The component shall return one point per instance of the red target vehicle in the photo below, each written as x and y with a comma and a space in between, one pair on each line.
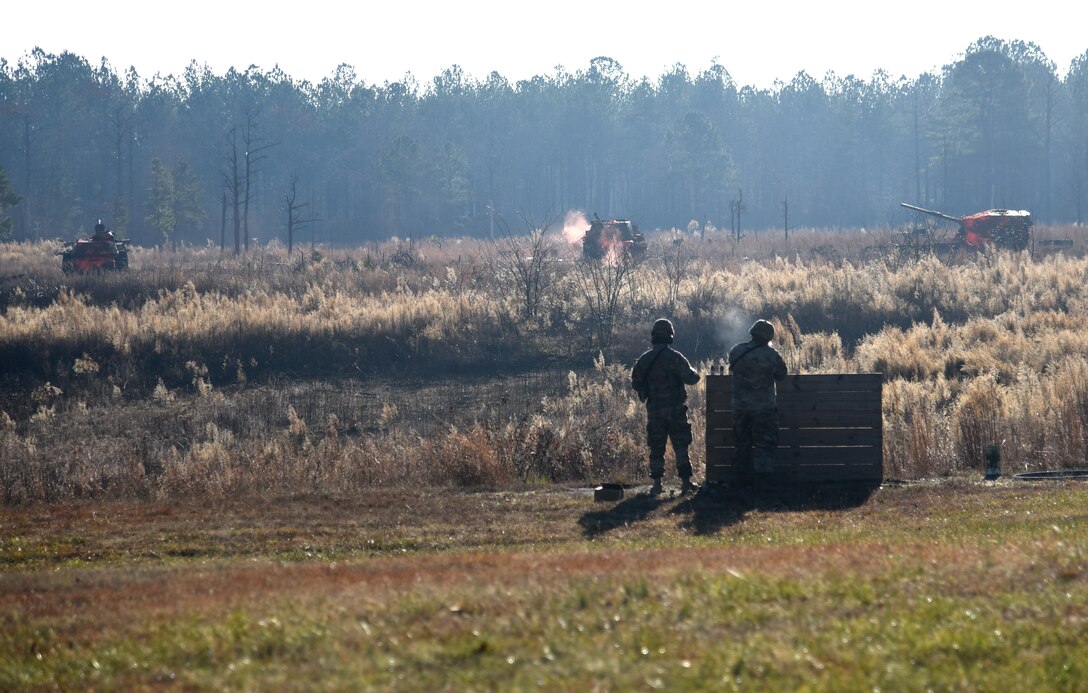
1005, 228
102, 251
607, 236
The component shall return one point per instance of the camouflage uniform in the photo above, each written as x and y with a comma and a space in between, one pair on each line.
659, 376
755, 366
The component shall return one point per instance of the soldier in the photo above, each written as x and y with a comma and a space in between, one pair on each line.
100, 232
659, 377
755, 366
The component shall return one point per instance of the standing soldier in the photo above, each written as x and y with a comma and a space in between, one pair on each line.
659, 377
755, 366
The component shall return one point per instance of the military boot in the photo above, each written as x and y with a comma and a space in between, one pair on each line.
656, 489
687, 487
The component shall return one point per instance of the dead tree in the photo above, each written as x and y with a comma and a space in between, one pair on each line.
223, 225
294, 208
601, 281
254, 155
676, 268
527, 261
736, 206
232, 185
786, 216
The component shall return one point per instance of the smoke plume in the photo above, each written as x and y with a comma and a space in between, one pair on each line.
574, 226
733, 327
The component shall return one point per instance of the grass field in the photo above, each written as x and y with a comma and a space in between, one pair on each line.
957, 585
367, 468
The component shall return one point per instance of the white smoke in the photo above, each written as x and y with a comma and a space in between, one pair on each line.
575, 225
733, 327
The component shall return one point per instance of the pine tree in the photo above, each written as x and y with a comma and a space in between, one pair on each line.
8, 199
188, 213
161, 197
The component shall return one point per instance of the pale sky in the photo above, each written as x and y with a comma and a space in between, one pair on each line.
757, 42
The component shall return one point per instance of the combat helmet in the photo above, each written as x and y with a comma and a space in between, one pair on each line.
662, 332
762, 331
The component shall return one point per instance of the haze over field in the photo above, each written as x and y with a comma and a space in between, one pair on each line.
757, 43
411, 120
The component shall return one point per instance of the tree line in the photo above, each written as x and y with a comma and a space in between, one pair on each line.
254, 155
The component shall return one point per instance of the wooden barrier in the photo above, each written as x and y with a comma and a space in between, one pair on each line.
830, 429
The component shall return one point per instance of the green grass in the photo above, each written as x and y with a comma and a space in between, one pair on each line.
952, 586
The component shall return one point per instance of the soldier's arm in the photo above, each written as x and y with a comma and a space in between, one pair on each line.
688, 375
637, 375
779, 367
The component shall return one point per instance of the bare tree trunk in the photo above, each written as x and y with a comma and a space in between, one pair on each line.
917, 155
233, 187
786, 217
1046, 157
253, 156
223, 225
293, 209
28, 139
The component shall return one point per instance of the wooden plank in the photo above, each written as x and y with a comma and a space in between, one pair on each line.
805, 474
829, 437
814, 457
718, 399
850, 418
859, 418
828, 401
824, 437
845, 473
831, 429
869, 381
827, 405
724, 421
832, 382
807, 400
835, 382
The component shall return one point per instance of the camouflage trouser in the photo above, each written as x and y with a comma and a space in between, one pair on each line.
755, 434
669, 423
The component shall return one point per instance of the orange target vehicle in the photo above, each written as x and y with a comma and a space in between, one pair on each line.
102, 251
606, 236
1005, 228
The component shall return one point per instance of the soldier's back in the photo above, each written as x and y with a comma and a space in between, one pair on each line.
755, 368
665, 375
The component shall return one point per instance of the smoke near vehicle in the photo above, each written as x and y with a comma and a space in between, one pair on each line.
610, 236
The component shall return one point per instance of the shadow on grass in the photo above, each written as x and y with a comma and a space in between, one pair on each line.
633, 509
708, 511
711, 509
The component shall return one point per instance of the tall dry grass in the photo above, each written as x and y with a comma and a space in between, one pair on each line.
331, 438
196, 361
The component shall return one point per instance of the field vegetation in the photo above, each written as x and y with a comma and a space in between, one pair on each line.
958, 585
371, 469
475, 363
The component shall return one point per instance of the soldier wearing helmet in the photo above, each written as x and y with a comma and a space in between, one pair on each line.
100, 232
660, 376
755, 366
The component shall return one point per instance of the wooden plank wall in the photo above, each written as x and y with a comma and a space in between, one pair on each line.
830, 429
